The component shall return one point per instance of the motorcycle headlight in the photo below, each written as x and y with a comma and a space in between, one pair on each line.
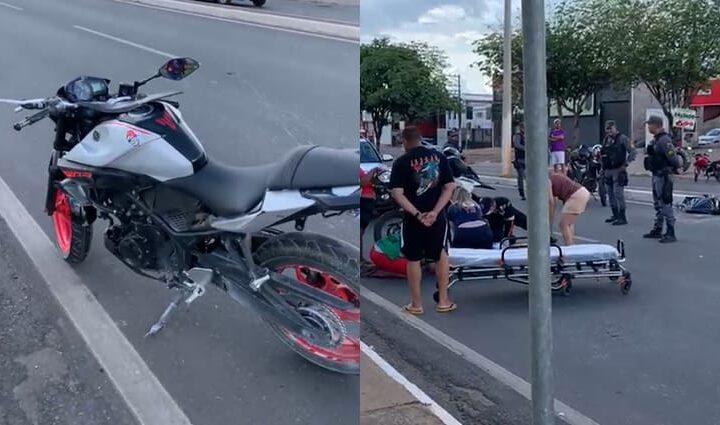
384, 177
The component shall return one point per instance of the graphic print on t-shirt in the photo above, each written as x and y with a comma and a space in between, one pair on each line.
426, 172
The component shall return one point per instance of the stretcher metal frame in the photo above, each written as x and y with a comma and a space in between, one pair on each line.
562, 274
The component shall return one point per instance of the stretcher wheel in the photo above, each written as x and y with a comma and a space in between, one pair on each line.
568, 286
625, 283
563, 284
436, 296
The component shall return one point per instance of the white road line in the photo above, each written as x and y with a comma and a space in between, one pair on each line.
240, 22
413, 389
140, 388
10, 6
522, 387
126, 42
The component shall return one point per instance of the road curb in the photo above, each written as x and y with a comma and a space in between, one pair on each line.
635, 195
309, 26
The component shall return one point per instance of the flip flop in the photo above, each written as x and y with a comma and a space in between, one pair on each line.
446, 309
415, 311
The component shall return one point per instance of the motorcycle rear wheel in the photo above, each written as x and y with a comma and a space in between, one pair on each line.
72, 237
332, 267
387, 224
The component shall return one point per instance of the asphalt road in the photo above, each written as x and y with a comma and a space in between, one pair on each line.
683, 184
649, 358
327, 10
258, 94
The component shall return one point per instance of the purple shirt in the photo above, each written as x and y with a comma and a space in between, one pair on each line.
557, 145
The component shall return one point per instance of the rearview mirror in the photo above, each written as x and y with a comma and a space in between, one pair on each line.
387, 157
178, 68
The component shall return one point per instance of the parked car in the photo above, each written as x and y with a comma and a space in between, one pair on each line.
370, 158
712, 137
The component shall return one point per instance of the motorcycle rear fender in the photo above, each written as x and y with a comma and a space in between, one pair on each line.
330, 200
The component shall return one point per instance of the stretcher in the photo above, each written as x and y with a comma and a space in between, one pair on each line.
567, 263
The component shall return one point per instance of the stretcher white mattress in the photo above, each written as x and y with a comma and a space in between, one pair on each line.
463, 257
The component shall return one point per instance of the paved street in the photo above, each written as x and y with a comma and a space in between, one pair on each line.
326, 10
648, 358
259, 93
684, 183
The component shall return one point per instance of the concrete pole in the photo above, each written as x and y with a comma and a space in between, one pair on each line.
460, 113
536, 115
507, 91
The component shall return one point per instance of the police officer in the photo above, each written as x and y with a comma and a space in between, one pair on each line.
617, 152
663, 162
518, 142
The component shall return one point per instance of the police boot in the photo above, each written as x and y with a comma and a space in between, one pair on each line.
655, 233
614, 216
669, 236
621, 219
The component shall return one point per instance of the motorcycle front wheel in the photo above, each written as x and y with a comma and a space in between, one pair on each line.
330, 266
72, 237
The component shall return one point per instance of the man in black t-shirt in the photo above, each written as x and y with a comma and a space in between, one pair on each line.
422, 184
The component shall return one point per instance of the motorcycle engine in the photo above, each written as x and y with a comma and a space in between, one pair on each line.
142, 247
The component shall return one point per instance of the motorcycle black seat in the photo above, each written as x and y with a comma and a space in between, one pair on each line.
231, 191
315, 167
227, 191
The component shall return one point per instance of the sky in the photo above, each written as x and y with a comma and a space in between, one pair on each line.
451, 25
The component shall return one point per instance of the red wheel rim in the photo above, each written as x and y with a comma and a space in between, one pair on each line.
349, 350
62, 222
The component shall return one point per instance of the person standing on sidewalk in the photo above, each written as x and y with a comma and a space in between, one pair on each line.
662, 161
556, 140
519, 162
617, 152
422, 184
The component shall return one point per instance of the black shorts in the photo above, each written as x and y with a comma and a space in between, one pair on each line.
419, 242
367, 209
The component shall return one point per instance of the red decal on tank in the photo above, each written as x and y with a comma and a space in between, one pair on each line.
167, 121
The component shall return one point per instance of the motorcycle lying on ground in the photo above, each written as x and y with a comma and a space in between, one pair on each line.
390, 220
177, 216
585, 168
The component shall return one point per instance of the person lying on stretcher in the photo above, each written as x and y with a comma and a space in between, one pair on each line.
478, 226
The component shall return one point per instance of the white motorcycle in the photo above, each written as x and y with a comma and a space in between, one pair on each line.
177, 216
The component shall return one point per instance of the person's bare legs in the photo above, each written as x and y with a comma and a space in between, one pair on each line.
414, 277
567, 227
442, 273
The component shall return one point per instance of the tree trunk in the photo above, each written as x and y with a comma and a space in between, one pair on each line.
576, 127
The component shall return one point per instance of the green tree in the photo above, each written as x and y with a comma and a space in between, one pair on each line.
402, 78
489, 50
576, 68
576, 65
670, 46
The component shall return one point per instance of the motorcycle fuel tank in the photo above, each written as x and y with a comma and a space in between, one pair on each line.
153, 141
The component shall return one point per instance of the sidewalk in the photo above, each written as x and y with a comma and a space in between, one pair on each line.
48, 374
383, 401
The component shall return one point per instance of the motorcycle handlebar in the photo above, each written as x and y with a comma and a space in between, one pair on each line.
32, 119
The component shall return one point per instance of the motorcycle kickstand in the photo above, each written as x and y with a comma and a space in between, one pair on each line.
194, 290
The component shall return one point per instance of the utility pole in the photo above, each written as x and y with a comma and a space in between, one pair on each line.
536, 115
460, 112
507, 91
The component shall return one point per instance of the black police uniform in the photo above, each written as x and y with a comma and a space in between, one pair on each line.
663, 161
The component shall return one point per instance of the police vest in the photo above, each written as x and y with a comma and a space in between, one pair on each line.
658, 161
614, 155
